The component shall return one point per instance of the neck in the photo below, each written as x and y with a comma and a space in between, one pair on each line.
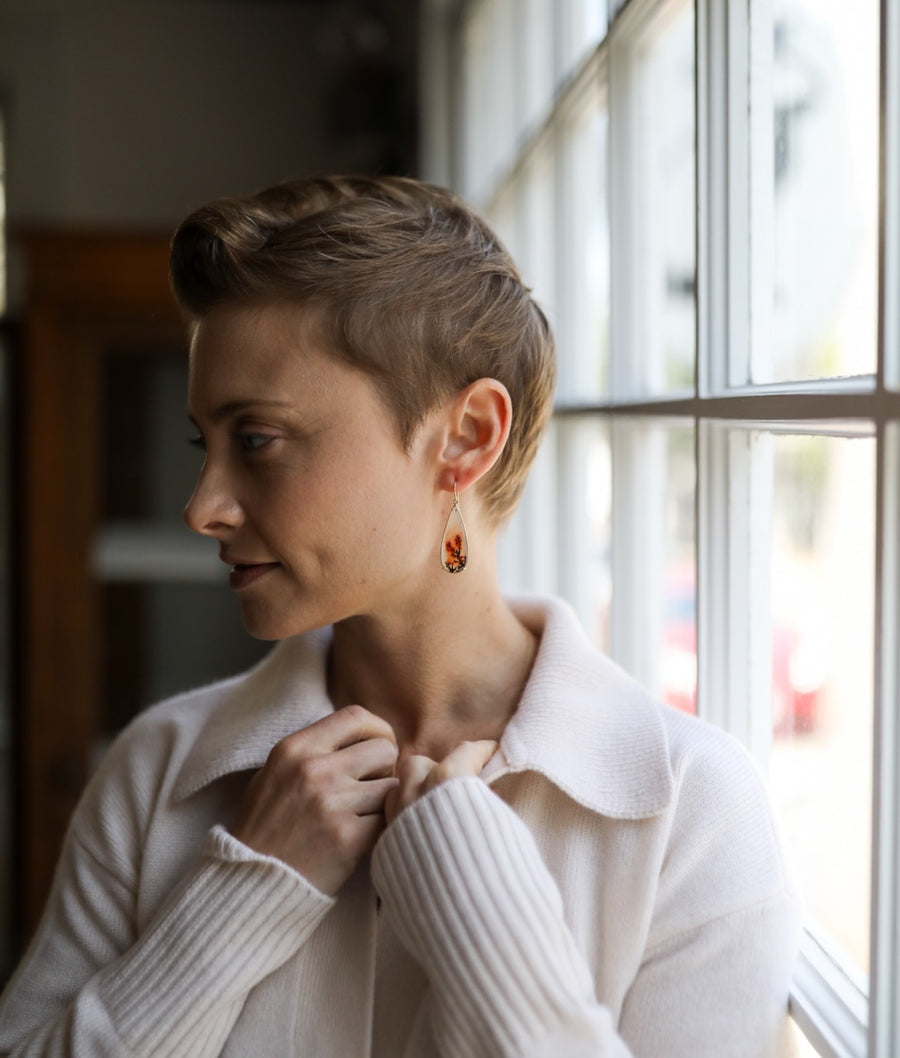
448, 673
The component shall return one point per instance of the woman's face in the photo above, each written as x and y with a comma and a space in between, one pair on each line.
314, 502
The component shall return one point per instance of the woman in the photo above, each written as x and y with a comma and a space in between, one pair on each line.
431, 821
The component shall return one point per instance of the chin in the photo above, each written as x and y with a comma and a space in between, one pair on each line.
270, 626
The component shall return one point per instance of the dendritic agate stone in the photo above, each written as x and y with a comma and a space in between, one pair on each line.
455, 549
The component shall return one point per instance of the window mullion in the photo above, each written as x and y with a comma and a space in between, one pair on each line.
714, 660
761, 165
740, 216
890, 182
723, 202
884, 1029
712, 198
885, 934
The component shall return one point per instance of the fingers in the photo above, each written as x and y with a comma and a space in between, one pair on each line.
371, 796
375, 758
317, 803
412, 774
337, 731
468, 758
354, 724
418, 774
415, 769
323, 796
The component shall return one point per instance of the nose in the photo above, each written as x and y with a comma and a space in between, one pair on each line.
212, 510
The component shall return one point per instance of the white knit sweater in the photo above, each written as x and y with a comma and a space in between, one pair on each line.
613, 885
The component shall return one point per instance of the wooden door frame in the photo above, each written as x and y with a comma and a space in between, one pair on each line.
88, 294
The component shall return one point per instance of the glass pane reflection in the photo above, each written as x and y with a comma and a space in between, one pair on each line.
583, 288
822, 592
825, 116
654, 627
665, 122
585, 470
678, 671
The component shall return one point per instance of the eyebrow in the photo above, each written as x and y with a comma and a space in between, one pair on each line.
234, 407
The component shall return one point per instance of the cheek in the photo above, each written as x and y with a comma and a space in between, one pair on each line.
275, 510
365, 506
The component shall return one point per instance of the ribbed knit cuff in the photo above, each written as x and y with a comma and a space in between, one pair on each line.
468, 894
240, 917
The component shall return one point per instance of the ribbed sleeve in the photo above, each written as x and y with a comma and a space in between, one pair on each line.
179, 989
469, 896
240, 917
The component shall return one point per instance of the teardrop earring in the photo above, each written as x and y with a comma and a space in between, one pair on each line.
454, 543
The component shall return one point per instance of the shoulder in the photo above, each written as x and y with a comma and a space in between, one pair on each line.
713, 772
604, 738
724, 848
684, 796
162, 732
179, 717
174, 749
144, 759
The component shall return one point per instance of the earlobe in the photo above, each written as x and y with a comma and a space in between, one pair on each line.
478, 426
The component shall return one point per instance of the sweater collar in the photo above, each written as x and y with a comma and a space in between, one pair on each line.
582, 723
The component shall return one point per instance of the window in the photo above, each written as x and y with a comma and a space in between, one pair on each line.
705, 197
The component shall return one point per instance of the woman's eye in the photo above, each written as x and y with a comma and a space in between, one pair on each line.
250, 442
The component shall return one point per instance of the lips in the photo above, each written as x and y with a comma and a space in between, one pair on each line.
243, 574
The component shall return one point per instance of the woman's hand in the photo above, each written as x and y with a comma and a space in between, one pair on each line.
419, 774
318, 803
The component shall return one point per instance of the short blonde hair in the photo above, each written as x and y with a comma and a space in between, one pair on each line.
408, 284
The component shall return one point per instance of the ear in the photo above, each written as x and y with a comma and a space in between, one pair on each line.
475, 425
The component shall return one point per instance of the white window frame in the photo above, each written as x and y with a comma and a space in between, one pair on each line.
734, 420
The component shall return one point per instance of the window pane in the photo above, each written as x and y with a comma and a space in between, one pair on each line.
535, 223
825, 114
581, 25
585, 499
534, 63
678, 674
583, 326
664, 125
654, 632
822, 591
503, 218
796, 1044
486, 96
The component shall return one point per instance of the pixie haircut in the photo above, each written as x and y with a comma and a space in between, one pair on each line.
404, 282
